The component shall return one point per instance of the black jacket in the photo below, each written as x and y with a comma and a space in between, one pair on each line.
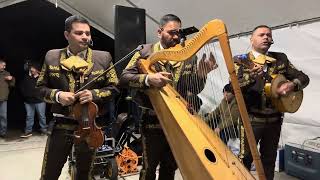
29, 91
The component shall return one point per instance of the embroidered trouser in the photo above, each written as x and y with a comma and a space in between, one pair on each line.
267, 134
58, 148
156, 151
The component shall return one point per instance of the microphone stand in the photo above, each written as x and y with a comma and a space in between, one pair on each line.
107, 70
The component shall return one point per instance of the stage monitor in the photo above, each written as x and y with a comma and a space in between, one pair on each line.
130, 31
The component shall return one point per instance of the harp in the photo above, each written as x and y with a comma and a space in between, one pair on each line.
199, 152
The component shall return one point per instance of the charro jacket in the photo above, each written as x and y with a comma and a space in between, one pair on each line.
53, 78
253, 88
184, 73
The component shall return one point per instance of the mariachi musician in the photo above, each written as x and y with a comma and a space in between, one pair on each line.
63, 72
270, 85
156, 150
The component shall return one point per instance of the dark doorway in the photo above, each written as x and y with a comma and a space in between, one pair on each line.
28, 30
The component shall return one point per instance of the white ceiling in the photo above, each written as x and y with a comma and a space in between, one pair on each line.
239, 15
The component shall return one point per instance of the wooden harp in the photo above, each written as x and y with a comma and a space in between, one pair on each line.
199, 152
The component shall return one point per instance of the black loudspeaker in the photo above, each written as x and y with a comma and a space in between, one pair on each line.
130, 31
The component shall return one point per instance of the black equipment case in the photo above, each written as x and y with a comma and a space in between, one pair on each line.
302, 162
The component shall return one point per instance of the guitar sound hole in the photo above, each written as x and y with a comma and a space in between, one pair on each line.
210, 156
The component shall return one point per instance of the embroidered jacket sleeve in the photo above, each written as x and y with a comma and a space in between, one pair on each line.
130, 76
242, 70
300, 79
190, 84
189, 79
110, 81
47, 94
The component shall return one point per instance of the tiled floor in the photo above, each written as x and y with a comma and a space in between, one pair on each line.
22, 159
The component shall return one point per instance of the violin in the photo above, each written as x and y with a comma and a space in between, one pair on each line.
86, 113
87, 131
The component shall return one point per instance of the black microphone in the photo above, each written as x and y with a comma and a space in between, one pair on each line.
185, 32
271, 42
90, 42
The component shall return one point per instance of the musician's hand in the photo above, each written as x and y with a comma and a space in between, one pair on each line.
159, 79
257, 70
84, 96
285, 88
8, 78
206, 65
66, 98
217, 130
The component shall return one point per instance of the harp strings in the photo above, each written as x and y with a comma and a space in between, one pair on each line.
216, 115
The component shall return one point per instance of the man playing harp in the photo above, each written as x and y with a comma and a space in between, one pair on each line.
155, 146
255, 69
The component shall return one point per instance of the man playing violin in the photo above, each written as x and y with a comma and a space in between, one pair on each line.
255, 70
64, 71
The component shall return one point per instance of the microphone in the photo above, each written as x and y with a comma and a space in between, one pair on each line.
140, 47
271, 42
90, 42
187, 31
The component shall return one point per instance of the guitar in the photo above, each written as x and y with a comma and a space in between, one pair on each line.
290, 102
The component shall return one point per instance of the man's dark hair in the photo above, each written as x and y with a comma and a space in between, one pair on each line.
227, 88
167, 18
2, 60
35, 65
73, 19
261, 26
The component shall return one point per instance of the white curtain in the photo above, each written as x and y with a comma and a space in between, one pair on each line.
5, 3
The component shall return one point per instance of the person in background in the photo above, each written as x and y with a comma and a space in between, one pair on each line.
6, 82
33, 102
224, 119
